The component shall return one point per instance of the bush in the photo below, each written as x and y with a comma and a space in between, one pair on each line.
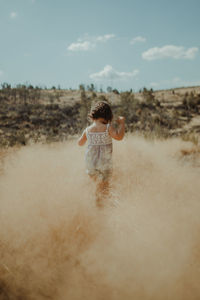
115, 91
129, 107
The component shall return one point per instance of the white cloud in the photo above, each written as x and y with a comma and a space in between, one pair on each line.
180, 82
137, 39
109, 73
174, 82
154, 84
170, 51
104, 38
89, 43
81, 46
13, 14
1, 73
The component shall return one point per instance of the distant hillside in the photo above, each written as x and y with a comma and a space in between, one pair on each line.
30, 113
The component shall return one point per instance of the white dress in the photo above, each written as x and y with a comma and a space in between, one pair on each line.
98, 154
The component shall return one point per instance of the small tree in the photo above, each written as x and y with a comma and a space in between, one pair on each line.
83, 108
148, 95
91, 87
115, 91
81, 87
109, 89
129, 106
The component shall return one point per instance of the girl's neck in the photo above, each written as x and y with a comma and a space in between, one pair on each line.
99, 121
98, 126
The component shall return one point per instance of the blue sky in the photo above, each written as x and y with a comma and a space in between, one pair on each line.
120, 43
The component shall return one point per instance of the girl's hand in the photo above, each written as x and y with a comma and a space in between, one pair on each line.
120, 120
117, 132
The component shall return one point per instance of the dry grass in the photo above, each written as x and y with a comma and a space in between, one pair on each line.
192, 151
56, 244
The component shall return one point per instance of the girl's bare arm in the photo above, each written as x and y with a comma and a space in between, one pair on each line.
118, 133
82, 140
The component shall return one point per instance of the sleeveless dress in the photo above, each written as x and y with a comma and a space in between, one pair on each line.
98, 156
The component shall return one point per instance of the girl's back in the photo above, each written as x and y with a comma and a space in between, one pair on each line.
98, 135
99, 150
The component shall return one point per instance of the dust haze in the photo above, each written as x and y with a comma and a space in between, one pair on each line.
56, 244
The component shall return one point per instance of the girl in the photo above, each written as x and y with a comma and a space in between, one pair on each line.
98, 155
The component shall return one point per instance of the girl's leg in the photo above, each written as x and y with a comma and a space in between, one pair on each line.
102, 192
102, 187
98, 190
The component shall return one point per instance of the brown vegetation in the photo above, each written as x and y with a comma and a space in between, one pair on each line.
32, 114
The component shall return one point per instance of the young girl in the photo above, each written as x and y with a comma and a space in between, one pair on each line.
98, 155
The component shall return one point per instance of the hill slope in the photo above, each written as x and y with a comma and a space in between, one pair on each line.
34, 114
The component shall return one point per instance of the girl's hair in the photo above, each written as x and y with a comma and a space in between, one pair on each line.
101, 109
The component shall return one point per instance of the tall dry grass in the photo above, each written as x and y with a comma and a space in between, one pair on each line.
56, 244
